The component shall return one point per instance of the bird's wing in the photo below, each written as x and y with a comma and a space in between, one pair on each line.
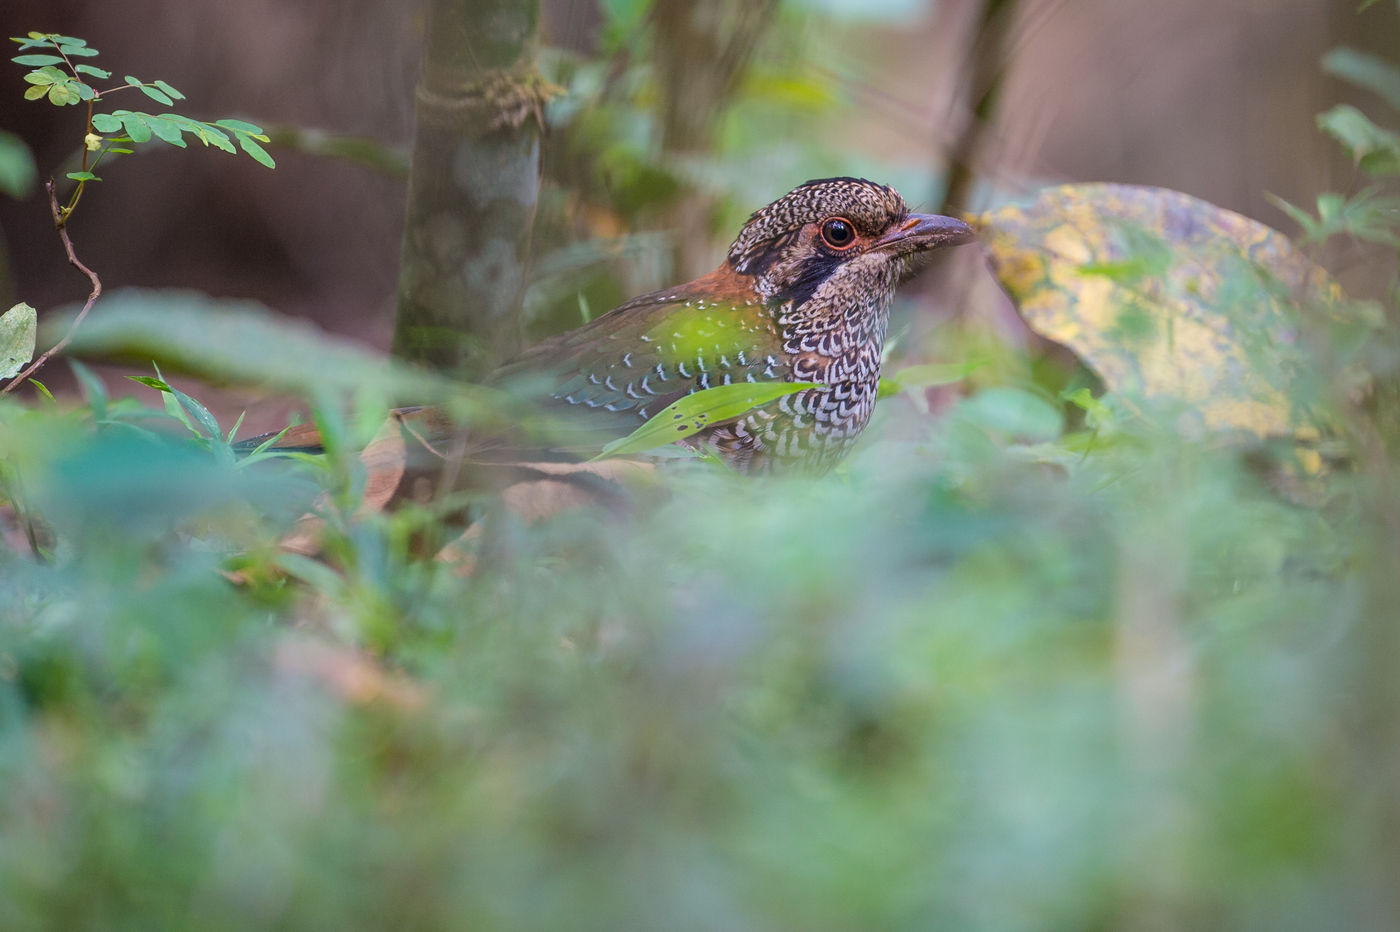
615, 372
630, 363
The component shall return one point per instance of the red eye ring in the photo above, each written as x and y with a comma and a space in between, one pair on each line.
839, 233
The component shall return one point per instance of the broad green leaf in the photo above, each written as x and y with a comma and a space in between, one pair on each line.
83, 176
17, 170
695, 412
156, 94
242, 126
1013, 412
1365, 70
242, 342
164, 86
34, 93
78, 51
35, 40
96, 72
44, 77
165, 130
258, 153
1214, 335
135, 125
133, 81
18, 326
1375, 150
926, 375
35, 60
106, 123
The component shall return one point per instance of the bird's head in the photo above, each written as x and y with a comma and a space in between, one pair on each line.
837, 240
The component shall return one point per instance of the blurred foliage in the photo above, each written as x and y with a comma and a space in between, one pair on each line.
1040, 661
968, 681
17, 171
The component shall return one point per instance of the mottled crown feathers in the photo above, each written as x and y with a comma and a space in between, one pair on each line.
871, 207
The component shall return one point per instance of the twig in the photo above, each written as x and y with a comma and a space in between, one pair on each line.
986, 65
59, 222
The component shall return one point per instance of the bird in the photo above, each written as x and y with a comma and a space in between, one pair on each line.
803, 295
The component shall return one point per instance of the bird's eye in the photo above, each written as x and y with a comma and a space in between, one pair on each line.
839, 233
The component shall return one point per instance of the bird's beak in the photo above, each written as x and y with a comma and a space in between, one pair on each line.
918, 232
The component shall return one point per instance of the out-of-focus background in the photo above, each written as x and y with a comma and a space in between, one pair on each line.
1217, 100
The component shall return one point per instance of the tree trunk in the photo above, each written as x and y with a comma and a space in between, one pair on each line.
703, 51
473, 185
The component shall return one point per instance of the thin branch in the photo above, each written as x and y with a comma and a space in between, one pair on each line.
73, 260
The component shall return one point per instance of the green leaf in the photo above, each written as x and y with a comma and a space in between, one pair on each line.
233, 431
156, 94
85, 92
1368, 216
34, 93
36, 40
77, 51
43, 78
165, 130
34, 60
217, 138
241, 126
240, 341
1365, 70
59, 96
17, 170
83, 176
18, 326
927, 375
135, 124
93, 388
695, 412
1375, 149
175, 410
151, 381
199, 412
1099, 414
106, 123
43, 390
1012, 411
258, 153
169, 90
96, 72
